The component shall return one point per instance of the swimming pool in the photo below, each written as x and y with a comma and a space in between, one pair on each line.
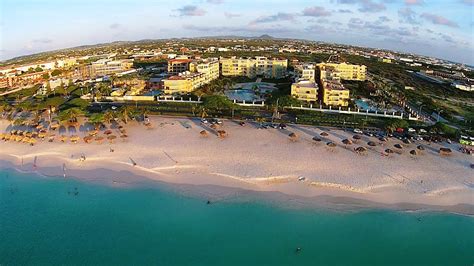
242, 95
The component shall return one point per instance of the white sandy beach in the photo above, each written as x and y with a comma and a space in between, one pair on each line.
262, 160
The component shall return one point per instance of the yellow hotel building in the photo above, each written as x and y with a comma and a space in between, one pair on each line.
182, 83
334, 93
347, 71
195, 74
305, 90
253, 67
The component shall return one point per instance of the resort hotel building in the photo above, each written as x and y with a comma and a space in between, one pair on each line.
253, 67
190, 74
196, 73
333, 92
305, 90
347, 71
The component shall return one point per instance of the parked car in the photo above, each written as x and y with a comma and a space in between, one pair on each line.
358, 131
204, 121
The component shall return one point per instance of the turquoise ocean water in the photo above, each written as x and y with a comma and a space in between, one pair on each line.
73, 222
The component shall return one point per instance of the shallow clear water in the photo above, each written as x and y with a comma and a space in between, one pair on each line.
42, 221
241, 95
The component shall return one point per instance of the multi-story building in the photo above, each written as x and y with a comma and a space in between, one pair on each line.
253, 67
176, 66
347, 71
305, 90
198, 73
334, 93
306, 71
329, 73
182, 83
208, 67
104, 67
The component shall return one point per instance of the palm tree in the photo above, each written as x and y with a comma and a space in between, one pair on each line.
202, 112
126, 113
71, 115
109, 116
96, 119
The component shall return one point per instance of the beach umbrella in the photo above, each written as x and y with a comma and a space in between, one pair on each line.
51, 138
214, 126
54, 126
413, 152
356, 137
389, 151
29, 134
222, 133
111, 138
99, 139
93, 132
120, 127
18, 138
7, 137
32, 141
87, 139
331, 144
108, 132
40, 126
203, 133
293, 136
420, 147
2, 136
445, 151
398, 146
26, 140
42, 135
63, 138
360, 149
347, 141
74, 139
13, 132
124, 137
371, 143
316, 139
324, 134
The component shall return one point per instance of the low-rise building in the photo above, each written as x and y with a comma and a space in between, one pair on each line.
305, 90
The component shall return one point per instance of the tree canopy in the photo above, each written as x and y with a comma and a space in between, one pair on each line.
217, 102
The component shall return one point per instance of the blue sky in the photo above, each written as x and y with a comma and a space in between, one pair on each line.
440, 28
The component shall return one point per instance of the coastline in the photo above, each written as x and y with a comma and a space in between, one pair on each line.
177, 155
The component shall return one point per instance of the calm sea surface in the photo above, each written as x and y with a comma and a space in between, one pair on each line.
67, 221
